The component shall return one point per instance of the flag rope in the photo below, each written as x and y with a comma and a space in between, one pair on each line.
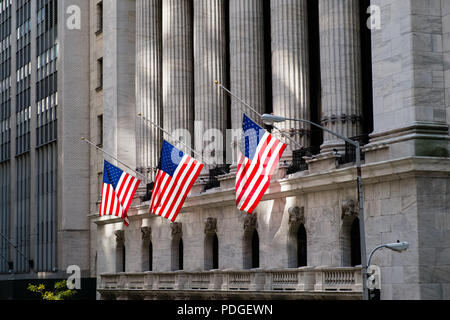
122, 163
171, 135
15, 247
255, 111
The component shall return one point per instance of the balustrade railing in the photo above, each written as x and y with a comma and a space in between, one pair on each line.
307, 279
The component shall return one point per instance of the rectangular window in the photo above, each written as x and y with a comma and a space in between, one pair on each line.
100, 131
99, 74
99, 17
100, 185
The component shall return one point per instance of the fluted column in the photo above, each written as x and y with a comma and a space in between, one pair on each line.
210, 65
148, 83
290, 71
246, 60
178, 76
340, 57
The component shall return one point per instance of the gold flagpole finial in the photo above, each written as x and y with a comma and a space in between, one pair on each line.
140, 114
83, 138
216, 82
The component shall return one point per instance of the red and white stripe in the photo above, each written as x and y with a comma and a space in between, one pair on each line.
253, 176
116, 202
169, 193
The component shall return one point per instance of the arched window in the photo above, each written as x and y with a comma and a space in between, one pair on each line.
120, 251
355, 244
251, 249
301, 247
297, 240
180, 255
211, 252
177, 247
120, 257
150, 256
147, 249
147, 255
250, 244
215, 252
255, 250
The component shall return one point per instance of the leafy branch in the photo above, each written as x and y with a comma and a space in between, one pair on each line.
61, 292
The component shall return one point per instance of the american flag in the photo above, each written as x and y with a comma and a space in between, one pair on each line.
261, 153
117, 193
175, 177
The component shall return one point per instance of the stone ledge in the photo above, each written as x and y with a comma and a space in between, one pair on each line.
294, 185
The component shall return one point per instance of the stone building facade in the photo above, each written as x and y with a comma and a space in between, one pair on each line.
388, 87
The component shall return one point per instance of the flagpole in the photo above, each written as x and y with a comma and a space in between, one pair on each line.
4, 258
110, 155
254, 110
15, 247
169, 134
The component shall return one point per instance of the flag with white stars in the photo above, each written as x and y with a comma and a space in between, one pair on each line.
117, 193
177, 173
261, 153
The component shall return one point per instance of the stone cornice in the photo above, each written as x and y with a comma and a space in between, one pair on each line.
300, 183
328, 180
416, 131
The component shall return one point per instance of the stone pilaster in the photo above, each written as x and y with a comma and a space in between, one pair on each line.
340, 62
210, 65
148, 83
290, 71
178, 100
410, 80
119, 106
246, 60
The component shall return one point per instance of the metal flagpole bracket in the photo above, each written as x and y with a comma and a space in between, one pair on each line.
256, 112
171, 135
111, 156
30, 262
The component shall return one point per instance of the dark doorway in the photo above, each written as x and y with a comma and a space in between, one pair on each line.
150, 256
355, 244
301, 247
255, 250
123, 259
180, 255
215, 252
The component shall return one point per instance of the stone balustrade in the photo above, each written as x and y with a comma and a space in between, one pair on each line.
308, 279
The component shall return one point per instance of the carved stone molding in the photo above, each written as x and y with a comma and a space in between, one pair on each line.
146, 233
349, 209
120, 236
210, 225
250, 222
296, 216
353, 118
176, 229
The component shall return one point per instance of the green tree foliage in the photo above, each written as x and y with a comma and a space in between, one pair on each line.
61, 292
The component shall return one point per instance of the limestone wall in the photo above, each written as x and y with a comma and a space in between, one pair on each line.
396, 208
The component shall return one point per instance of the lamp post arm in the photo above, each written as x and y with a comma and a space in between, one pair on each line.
372, 253
257, 113
354, 143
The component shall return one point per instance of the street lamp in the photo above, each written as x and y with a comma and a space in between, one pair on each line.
397, 247
271, 119
374, 272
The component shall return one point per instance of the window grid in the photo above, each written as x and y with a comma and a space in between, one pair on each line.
23, 76
5, 79
46, 135
47, 73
